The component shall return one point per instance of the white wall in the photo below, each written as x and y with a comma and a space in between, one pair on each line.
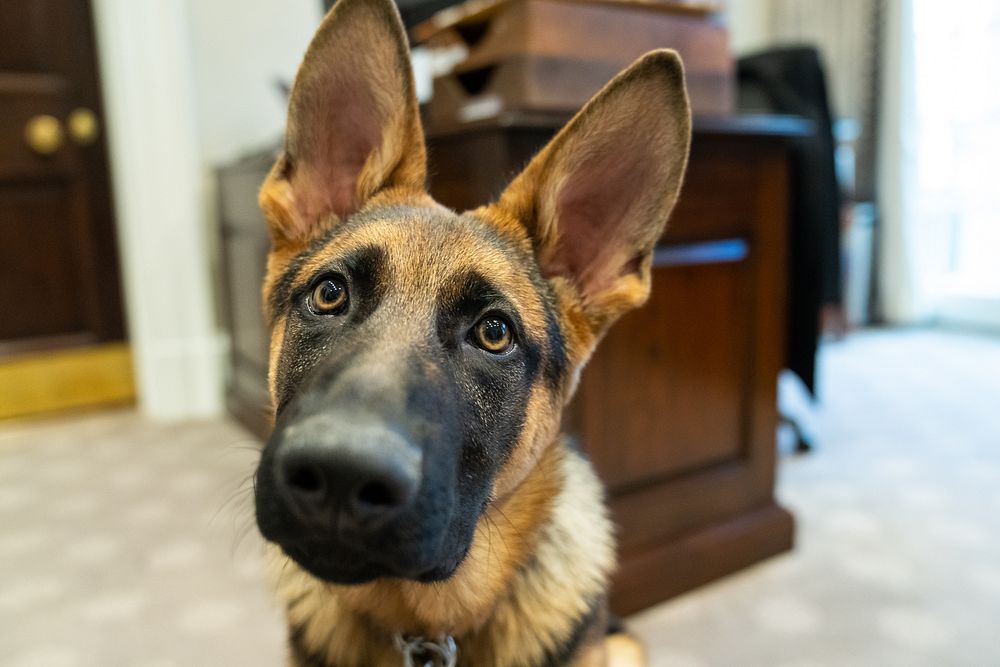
240, 50
749, 25
900, 275
188, 84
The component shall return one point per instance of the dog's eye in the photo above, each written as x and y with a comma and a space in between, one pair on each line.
328, 297
493, 334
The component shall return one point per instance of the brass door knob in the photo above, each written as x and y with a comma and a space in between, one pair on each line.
83, 126
44, 134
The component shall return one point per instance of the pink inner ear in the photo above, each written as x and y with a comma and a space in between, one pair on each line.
598, 220
341, 129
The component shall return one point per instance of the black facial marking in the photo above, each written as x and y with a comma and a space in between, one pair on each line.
366, 271
493, 389
285, 283
556, 362
308, 336
470, 295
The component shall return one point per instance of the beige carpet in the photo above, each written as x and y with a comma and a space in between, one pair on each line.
121, 542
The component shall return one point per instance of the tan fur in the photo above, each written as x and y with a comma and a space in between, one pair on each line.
624, 651
543, 549
596, 655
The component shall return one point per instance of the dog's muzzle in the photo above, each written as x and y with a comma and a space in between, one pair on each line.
352, 496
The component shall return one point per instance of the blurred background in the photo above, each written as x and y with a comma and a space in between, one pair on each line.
800, 432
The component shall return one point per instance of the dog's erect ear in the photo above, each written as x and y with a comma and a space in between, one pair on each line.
353, 124
596, 198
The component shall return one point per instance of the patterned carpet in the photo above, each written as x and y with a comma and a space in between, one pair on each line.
898, 554
126, 543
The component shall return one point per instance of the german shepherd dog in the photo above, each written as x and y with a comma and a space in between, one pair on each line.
421, 505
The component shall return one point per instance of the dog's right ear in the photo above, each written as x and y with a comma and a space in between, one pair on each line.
353, 124
595, 199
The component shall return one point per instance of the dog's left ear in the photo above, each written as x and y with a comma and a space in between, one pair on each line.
353, 124
596, 198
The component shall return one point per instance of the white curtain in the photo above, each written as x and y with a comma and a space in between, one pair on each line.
899, 292
940, 140
841, 31
846, 34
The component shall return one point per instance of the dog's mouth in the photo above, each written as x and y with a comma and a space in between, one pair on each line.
332, 564
419, 555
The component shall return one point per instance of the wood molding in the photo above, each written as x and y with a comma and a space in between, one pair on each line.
85, 377
678, 565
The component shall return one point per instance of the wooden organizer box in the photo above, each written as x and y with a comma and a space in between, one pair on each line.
553, 55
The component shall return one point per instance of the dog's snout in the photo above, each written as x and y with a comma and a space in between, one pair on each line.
358, 478
365, 489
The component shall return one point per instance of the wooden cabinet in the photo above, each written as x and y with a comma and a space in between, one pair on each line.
678, 407
244, 246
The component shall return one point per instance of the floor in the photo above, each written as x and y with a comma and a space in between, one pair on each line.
128, 543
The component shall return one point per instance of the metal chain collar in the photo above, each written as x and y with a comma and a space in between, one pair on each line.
420, 652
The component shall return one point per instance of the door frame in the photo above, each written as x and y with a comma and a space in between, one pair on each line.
144, 51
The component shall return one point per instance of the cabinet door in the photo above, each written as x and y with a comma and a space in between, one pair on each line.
664, 394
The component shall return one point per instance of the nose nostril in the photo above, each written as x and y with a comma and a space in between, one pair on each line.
377, 494
305, 478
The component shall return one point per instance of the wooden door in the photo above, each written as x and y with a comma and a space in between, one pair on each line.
61, 322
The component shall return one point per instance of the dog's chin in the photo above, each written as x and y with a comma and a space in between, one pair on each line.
358, 569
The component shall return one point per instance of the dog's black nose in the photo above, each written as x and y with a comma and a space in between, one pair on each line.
358, 479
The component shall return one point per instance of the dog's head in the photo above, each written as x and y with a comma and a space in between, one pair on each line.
420, 359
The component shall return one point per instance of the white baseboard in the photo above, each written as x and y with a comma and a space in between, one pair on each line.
181, 378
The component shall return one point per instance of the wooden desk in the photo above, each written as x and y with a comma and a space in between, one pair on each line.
678, 407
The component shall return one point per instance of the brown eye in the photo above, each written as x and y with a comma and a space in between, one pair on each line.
493, 334
328, 296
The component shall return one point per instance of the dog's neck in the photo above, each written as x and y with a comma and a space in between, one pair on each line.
529, 591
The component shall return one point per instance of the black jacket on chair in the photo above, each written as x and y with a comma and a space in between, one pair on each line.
791, 80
